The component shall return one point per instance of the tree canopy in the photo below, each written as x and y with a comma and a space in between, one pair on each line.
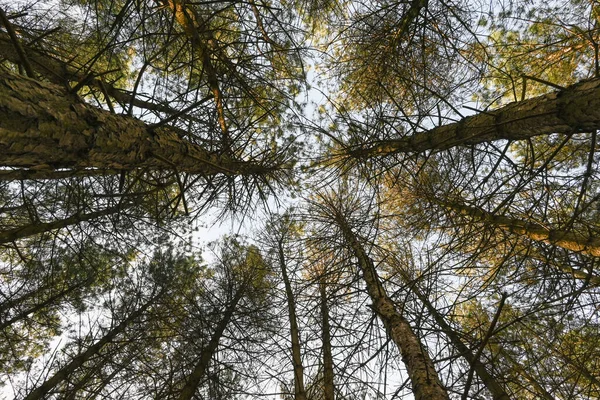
412, 190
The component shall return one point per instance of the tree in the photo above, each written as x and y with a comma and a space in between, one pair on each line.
280, 232
423, 376
63, 373
443, 240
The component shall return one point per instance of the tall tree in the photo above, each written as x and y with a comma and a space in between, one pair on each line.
280, 233
423, 376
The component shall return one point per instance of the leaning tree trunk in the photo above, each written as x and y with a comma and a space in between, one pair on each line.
44, 128
495, 388
207, 353
423, 376
576, 242
204, 43
42, 227
518, 368
50, 301
571, 110
90, 352
299, 391
60, 72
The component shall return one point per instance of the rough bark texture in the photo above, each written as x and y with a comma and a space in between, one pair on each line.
328, 386
43, 128
80, 359
423, 376
299, 391
207, 352
567, 240
574, 109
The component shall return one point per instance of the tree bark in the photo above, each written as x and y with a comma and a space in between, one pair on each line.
44, 128
80, 359
328, 385
207, 352
299, 391
41, 227
571, 110
423, 376
576, 242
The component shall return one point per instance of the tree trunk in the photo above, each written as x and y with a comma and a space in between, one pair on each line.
571, 110
299, 391
423, 376
207, 352
46, 303
488, 380
80, 359
567, 240
43, 128
41, 227
202, 40
328, 386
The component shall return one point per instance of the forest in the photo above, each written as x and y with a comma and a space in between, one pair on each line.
299, 199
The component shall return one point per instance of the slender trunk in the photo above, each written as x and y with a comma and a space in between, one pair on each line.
74, 393
299, 391
42, 227
328, 387
423, 376
46, 303
80, 359
20, 174
495, 388
203, 41
567, 240
571, 110
13, 302
43, 128
538, 389
207, 352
